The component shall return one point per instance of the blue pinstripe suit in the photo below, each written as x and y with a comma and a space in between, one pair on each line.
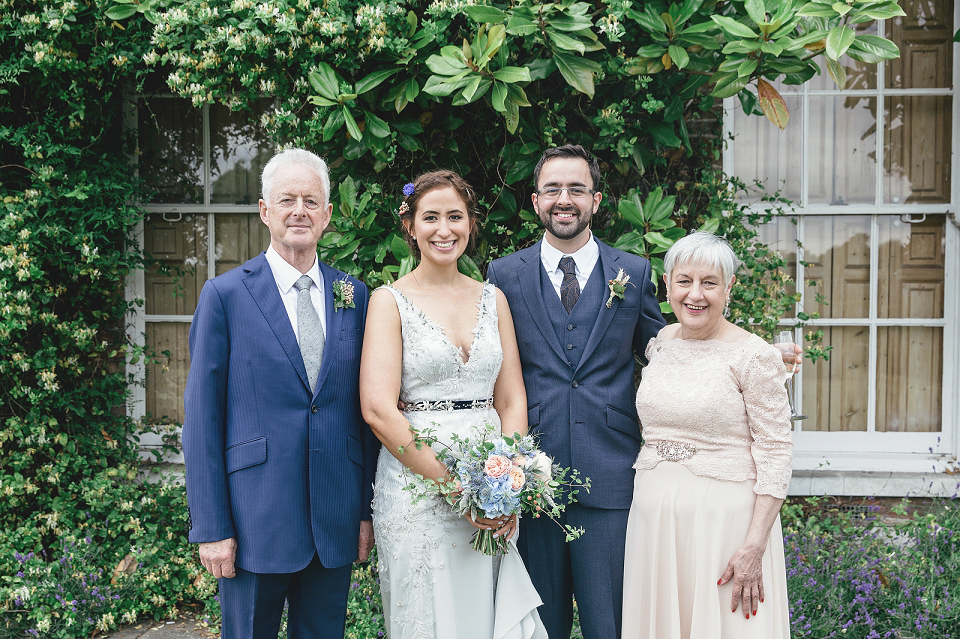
286, 472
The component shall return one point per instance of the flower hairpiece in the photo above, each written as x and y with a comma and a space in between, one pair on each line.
408, 189
404, 208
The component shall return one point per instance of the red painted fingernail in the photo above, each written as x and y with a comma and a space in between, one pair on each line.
748, 615
719, 581
761, 599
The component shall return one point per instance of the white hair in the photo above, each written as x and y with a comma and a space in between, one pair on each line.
703, 249
295, 156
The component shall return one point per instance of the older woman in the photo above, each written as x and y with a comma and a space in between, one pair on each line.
703, 538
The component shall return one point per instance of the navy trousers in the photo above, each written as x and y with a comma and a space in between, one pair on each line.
252, 603
589, 569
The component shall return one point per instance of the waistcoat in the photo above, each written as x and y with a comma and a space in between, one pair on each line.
573, 329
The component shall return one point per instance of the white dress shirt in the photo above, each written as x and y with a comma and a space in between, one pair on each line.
585, 259
285, 276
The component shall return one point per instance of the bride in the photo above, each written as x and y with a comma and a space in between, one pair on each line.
454, 369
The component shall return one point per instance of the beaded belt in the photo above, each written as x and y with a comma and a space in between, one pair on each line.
463, 404
675, 451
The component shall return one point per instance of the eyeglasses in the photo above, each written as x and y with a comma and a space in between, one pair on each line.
554, 192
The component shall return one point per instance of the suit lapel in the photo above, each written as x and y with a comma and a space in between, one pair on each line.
529, 275
333, 322
263, 288
608, 260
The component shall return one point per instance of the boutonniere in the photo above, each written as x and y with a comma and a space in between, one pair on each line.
342, 294
617, 286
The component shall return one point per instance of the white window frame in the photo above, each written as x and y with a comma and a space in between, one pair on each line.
136, 284
871, 450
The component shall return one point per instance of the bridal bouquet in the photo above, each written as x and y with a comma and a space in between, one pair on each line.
492, 475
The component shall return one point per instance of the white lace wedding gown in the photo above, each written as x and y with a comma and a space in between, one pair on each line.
434, 585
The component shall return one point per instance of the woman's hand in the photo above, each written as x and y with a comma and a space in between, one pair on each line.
747, 573
505, 526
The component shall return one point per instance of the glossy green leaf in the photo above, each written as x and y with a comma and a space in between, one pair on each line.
842, 8
375, 125
648, 20
727, 84
733, 28
498, 96
756, 10
352, 127
374, 80
483, 13
873, 49
837, 72
679, 56
816, 10
664, 134
122, 12
441, 65
685, 11
747, 67
517, 95
578, 72
565, 42
651, 51
521, 26
839, 40
324, 81
512, 116
565, 22
512, 74
334, 123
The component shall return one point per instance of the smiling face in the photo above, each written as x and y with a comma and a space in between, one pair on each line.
297, 212
441, 225
565, 218
697, 296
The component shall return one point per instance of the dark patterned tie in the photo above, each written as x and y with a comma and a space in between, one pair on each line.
569, 287
309, 329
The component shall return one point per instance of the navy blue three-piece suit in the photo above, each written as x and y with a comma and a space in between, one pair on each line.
578, 370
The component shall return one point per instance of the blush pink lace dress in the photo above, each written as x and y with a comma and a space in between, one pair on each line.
716, 429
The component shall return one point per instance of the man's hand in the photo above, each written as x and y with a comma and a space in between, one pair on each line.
218, 557
365, 543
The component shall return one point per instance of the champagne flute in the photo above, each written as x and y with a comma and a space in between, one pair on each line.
786, 343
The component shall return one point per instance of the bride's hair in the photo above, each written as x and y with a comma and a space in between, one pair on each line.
431, 181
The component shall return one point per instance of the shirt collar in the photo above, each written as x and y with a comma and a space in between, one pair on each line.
584, 256
286, 275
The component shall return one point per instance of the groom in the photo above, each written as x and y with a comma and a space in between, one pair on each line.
279, 461
577, 344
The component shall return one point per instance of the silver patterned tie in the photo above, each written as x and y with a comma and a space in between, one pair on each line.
309, 330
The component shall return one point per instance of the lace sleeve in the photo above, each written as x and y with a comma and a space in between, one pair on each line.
768, 415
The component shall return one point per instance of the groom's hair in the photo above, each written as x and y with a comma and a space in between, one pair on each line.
569, 151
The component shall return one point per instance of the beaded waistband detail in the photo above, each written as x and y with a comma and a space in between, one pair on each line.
675, 451
447, 404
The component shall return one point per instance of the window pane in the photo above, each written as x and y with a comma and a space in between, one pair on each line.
180, 245
837, 254
764, 152
843, 150
925, 37
912, 258
835, 391
909, 379
240, 236
240, 150
780, 234
171, 149
860, 75
916, 147
167, 378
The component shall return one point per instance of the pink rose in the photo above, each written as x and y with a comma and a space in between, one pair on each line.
517, 478
497, 465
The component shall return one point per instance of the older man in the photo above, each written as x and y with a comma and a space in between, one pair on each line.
279, 461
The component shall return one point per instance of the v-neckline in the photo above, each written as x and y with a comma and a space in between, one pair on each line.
456, 349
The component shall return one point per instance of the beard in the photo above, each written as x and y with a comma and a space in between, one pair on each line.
566, 231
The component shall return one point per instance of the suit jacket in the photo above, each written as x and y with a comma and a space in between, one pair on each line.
287, 472
585, 414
